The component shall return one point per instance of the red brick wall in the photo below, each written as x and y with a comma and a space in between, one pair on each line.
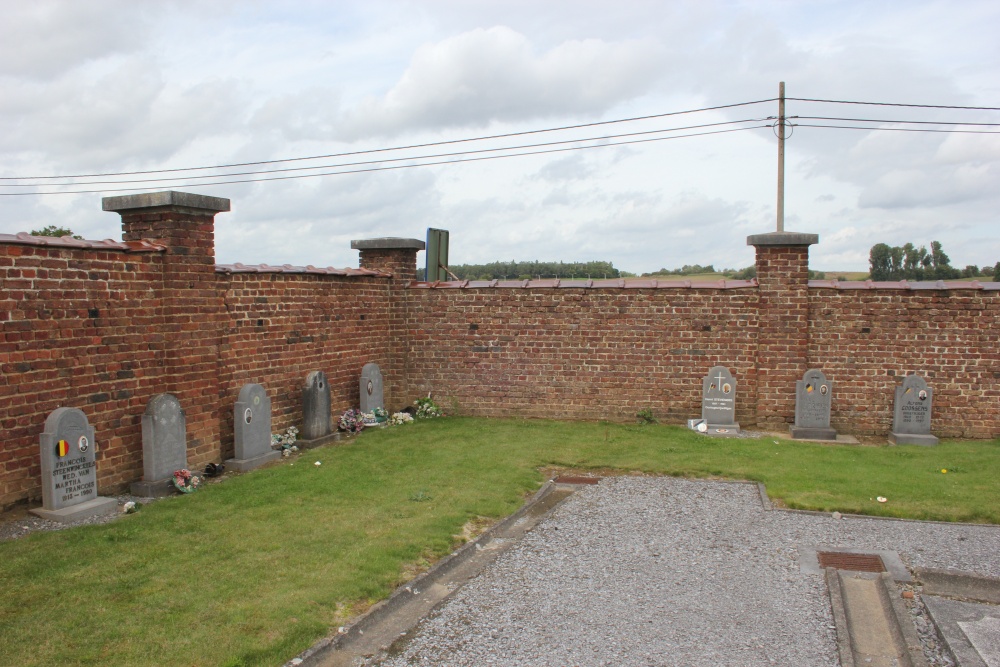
78, 328
105, 330
282, 326
866, 341
578, 353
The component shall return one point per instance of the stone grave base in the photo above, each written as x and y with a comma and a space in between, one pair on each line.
812, 433
318, 442
243, 465
98, 506
913, 439
723, 430
159, 489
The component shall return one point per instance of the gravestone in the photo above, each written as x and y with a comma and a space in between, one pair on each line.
69, 469
813, 394
315, 406
252, 430
164, 446
718, 402
911, 422
371, 388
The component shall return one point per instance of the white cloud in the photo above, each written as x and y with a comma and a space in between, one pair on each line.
496, 74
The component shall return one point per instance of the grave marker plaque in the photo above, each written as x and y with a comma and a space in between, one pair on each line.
813, 398
164, 446
315, 406
371, 388
69, 469
718, 402
911, 423
252, 430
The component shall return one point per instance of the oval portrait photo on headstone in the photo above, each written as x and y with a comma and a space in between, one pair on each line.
371, 387
83, 443
823, 389
726, 388
248, 415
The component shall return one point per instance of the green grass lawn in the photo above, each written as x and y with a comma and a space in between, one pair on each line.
253, 570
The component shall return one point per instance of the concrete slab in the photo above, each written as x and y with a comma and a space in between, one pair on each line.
98, 506
971, 630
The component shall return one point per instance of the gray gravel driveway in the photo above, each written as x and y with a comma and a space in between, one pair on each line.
664, 571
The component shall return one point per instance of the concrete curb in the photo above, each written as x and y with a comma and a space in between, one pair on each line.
957, 584
322, 650
900, 623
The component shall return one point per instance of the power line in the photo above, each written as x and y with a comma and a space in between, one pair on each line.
903, 122
399, 159
894, 104
395, 167
897, 129
397, 148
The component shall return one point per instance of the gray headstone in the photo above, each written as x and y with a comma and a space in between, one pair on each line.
69, 469
252, 429
911, 422
315, 406
371, 388
813, 394
718, 402
164, 446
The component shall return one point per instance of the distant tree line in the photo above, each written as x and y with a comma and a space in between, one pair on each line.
908, 262
52, 230
514, 270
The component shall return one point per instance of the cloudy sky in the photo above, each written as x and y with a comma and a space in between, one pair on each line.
105, 87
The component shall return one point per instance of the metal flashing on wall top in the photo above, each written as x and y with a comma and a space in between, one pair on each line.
610, 283
24, 238
288, 268
939, 285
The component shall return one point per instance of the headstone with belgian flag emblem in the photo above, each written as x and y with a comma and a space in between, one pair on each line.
69, 469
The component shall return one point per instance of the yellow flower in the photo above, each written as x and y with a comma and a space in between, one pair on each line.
944, 470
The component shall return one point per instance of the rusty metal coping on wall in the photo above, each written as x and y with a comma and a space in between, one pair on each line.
615, 283
288, 268
24, 238
905, 285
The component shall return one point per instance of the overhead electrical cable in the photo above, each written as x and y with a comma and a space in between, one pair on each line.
894, 104
896, 129
383, 160
900, 122
399, 166
396, 148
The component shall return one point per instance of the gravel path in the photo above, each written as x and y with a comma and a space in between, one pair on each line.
664, 571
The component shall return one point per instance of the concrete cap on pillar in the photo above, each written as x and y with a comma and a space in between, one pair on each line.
782, 239
168, 198
390, 243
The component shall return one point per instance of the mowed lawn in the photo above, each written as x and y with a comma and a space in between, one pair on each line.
254, 569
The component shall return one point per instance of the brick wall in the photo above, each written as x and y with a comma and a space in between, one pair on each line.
79, 327
105, 326
578, 353
867, 340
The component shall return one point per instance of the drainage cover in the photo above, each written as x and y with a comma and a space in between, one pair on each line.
568, 479
853, 562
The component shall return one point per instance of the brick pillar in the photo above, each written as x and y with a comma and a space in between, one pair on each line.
783, 333
396, 256
193, 313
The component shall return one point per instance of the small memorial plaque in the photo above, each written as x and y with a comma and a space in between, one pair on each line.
252, 430
371, 388
69, 469
164, 446
911, 423
718, 402
813, 399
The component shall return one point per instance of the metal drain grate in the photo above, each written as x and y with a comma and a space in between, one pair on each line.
853, 562
568, 479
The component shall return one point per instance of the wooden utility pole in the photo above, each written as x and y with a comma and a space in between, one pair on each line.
781, 156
